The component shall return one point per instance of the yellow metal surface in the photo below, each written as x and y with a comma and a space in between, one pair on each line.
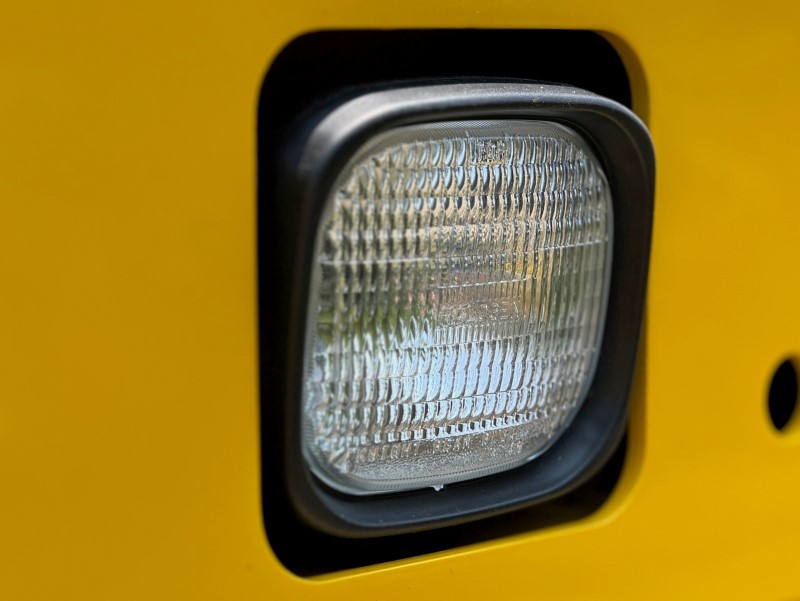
129, 461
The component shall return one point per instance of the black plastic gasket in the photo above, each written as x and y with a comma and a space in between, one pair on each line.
312, 156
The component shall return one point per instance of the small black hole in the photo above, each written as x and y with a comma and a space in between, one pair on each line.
783, 394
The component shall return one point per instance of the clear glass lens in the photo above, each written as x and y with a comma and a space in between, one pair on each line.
456, 305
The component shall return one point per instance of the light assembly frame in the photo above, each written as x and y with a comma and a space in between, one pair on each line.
315, 151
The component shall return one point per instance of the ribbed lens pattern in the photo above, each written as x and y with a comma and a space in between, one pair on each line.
457, 300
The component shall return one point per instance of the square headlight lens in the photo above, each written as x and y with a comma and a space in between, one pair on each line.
457, 300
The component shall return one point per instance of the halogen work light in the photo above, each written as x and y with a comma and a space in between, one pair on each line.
457, 296
470, 268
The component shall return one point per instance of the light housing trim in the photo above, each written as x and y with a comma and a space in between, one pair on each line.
318, 149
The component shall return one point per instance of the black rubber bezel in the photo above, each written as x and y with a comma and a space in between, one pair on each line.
314, 154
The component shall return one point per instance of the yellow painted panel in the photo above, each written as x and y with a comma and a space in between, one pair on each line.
129, 461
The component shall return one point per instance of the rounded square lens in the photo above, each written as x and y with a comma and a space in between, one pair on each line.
457, 299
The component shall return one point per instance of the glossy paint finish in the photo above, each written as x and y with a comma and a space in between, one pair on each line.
129, 443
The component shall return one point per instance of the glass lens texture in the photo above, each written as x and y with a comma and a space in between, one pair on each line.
457, 298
